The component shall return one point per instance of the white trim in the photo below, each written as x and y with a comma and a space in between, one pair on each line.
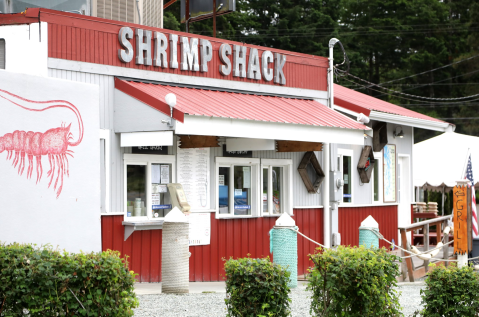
307, 207
201, 125
93, 68
255, 185
116, 213
402, 120
341, 153
367, 205
155, 138
105, 135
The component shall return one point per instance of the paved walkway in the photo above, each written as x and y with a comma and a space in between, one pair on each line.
207, 299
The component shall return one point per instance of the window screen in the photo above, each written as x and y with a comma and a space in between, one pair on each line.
2, 54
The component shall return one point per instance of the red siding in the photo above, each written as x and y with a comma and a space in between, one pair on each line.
350, 220
229, 238
93, 40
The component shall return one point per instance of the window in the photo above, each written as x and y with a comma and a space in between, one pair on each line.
377, 179
237, 189
345, 163
146, 180
276, 187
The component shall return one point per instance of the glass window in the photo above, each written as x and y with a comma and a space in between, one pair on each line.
238, 186
277, 179
146, 180
136, 190
242, 190
346, 168
160, 198
265, 190
223, 192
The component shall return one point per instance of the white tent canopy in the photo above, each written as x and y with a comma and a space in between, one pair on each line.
441, 161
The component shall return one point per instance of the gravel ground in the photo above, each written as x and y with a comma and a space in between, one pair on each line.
212, 304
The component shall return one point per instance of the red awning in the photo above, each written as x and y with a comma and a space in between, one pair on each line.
221, 104
359, 102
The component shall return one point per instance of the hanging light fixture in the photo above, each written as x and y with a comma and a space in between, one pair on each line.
400, 134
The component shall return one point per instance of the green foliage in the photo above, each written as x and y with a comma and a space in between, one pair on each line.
46, 282
451, 292
354, 281
256, 287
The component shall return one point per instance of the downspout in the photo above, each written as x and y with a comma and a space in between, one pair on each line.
326, 158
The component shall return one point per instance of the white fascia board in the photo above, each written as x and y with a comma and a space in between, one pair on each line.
401, 120
242, 144
62, 64
413, 122
200, 125
158, 138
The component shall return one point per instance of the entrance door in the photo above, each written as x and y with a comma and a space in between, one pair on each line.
404, 193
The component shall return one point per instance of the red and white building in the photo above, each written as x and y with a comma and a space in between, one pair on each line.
244, 118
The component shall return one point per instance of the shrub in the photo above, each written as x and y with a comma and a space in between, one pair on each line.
256, 287
451, 292
354, 282
45, 282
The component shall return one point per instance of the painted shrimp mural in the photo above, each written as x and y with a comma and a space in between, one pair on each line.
53, 143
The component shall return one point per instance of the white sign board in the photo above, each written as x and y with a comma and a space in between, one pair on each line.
193, 174
49, 162
200, 228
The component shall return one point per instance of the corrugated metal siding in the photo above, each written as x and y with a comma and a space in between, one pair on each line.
97, 42
350, 220
229, 238
301, 197
106, 86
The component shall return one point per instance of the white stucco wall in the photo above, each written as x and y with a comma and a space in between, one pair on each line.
31, 212
26, 48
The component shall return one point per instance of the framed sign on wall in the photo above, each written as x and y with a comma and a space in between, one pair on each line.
389, 172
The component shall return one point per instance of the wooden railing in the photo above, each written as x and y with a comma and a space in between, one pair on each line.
408, 269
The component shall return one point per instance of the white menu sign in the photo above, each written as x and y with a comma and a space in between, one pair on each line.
193, 174
200, 228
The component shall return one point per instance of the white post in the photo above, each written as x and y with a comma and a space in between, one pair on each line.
325, 194
331, 72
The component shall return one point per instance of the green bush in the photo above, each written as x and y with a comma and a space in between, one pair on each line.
354, 282
451, 292
45, 282
256, 287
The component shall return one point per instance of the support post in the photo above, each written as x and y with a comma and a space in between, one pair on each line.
408, 260
214, 18
445, 248
426, 245
325, 196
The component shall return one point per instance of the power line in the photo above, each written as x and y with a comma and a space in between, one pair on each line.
470, 118
428, 71
413, 96
439, 81
430, 102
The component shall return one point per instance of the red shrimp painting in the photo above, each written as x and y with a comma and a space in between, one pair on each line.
53, 143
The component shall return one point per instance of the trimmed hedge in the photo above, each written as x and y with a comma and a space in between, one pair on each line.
354, 281
451, 292
46, 282
256, 287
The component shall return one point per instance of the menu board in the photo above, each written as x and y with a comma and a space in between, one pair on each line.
193, 173
200, 228
389, 172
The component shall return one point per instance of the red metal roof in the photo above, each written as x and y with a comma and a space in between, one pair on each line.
221, 104
359, 102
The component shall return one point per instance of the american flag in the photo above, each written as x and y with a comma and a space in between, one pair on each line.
470, 177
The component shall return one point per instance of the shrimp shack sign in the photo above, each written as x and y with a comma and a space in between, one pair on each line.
196, 55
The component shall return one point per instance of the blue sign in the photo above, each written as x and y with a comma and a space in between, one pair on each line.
347, 195
156, 207
128, 214
242, 207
